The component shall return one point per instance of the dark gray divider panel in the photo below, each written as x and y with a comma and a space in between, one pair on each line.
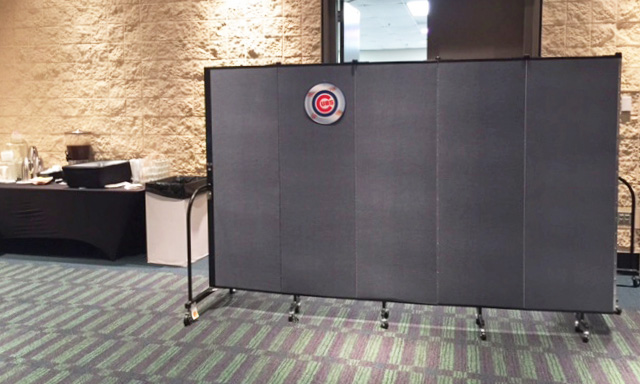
481, 183
317, 187
571, 192
395, 182
246, 183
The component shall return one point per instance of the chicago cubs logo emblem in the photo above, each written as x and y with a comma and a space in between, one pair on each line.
324, 103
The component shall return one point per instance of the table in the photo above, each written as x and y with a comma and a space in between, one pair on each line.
111, 220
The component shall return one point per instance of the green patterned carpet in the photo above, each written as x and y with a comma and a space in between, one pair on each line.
62, 323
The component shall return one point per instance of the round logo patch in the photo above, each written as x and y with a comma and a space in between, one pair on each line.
324, 103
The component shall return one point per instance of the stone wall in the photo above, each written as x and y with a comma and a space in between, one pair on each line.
603, 27
131, 71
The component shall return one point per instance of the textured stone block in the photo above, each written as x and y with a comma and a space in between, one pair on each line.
134, 107
630, 55
311, 25
188, 163
176, 11
173, 107
118, 145
175, 89
578, 36
46, 143
292, 8
553, 37
630, 79
250, 9
131, 126
292, 26
125, 70
169, 69
628, 11
604, 51
311, 60
554, 13
292, 46
577, 51
603, 35
628, 34
579, 12
311, 7
193, 126
8, 124
604, 11
629, 130
7, 19
174, 144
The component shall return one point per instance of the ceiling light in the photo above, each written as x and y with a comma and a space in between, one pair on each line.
418, 8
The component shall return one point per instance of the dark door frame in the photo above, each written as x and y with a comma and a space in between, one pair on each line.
333, 40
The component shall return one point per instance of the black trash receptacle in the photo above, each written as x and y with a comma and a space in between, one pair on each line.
177, 187
166, 203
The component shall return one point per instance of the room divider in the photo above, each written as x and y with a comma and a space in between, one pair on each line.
488, 183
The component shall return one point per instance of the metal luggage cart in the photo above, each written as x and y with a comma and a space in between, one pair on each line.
628, 263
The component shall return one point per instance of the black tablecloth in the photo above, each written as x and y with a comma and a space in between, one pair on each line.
112, 220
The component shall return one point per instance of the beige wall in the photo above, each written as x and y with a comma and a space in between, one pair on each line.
603, 27
131, 71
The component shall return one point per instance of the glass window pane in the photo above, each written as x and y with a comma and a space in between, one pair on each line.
385, 30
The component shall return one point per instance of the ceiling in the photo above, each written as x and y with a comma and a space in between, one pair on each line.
388, 24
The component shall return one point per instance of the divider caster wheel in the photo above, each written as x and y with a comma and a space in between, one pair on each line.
483, 334
384, 323
581, 326
384, 313
576, 327
232, 291
585, 336
294, 309
636, 281
618, 311
188, 320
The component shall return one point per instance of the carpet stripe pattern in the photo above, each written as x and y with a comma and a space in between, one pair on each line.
72, 324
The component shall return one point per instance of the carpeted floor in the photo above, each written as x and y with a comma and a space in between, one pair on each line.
71, 323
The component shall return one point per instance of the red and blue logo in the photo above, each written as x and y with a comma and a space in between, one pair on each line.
324, 103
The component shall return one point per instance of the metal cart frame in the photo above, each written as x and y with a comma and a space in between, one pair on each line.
629, 262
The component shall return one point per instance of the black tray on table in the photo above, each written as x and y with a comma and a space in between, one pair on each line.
97, 174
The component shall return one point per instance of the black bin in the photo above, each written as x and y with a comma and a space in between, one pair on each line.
177, 187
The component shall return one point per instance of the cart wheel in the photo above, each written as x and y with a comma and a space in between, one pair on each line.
293, 319
187, 320
585, 337
297, 308
385, 313
636, 281
483, 335
384, 324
